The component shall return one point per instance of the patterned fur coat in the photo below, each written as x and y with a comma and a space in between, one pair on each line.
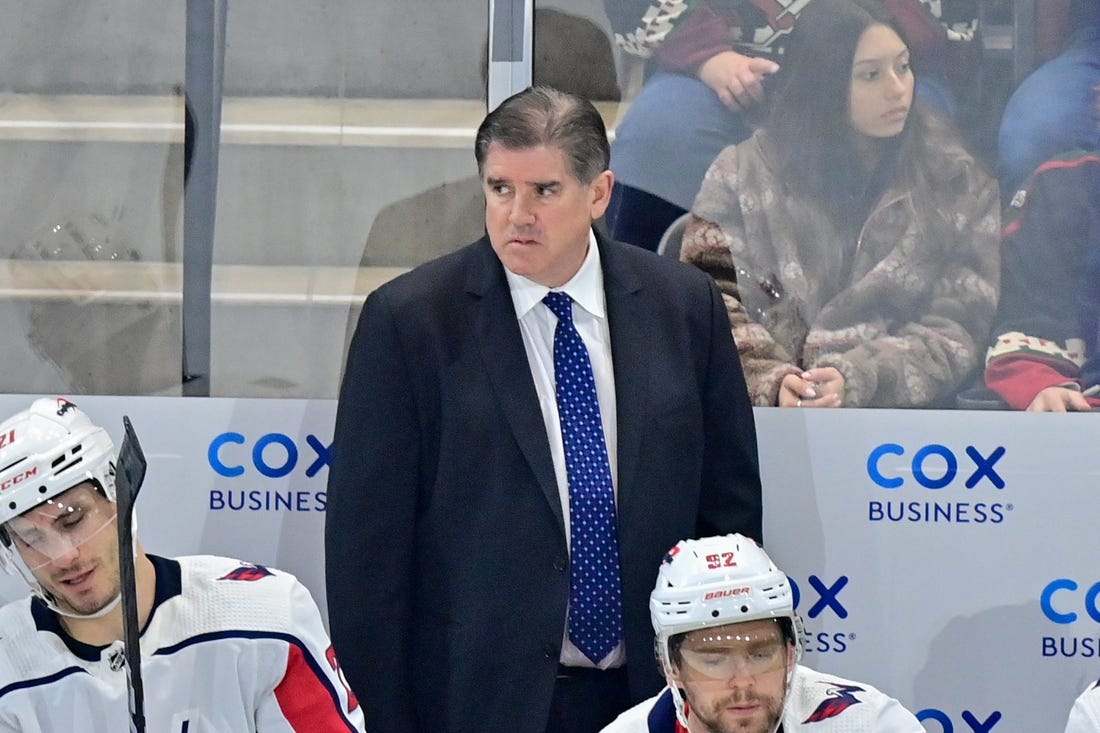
903, 312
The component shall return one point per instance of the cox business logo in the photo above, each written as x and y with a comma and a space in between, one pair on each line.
820, 599
939, 475
966, 721
1064, 601
272, 456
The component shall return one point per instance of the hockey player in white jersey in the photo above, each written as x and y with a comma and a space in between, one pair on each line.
729, 642
226, 646
1084, 717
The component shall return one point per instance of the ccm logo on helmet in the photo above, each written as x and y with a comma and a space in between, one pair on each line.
725, 593
16, 480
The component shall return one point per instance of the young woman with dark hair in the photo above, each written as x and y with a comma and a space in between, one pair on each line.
853, 235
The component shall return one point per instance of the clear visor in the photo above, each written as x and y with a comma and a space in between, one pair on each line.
59, 526
725, 652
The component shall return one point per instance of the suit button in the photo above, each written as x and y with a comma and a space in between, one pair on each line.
560, 564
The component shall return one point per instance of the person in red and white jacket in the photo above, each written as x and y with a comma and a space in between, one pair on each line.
729, 642
226, 646
1043, 356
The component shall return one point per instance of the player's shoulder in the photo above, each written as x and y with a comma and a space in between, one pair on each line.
836, 703
16, 623
228, 590
15, 614
26, 655
1090, 699
215, 571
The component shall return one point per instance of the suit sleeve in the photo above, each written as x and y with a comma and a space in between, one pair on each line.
310, 694
731, 500
369, 523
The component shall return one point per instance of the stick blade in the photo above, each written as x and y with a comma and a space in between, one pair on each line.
129, 468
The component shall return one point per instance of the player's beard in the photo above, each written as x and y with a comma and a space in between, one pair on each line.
716, 722
103, 591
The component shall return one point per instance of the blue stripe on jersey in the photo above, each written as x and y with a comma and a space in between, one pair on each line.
662, 718
42, 681
314, 665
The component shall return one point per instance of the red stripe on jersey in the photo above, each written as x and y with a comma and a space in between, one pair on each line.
307, 703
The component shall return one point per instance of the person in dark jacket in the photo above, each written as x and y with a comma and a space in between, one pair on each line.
1043, 357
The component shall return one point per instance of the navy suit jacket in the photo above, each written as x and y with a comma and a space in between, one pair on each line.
447, 568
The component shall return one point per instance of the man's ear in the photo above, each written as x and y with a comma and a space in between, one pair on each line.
600, 189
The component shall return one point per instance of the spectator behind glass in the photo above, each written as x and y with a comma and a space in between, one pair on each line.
1051, 111
1043, 357
710, 67
856, 241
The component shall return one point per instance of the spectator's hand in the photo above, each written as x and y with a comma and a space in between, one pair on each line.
1059, 399
738, 80
818, 387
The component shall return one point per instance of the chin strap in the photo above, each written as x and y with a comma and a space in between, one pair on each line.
98, 614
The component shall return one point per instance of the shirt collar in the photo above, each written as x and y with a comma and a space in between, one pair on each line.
585, 287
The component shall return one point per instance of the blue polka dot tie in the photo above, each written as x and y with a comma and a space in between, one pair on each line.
595, 594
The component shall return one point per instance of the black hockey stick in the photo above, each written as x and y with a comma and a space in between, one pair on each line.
129, 473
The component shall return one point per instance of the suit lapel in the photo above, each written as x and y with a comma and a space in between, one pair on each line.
493, 320
629, 316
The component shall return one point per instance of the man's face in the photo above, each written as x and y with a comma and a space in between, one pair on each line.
70, 545
537, 214
734, 677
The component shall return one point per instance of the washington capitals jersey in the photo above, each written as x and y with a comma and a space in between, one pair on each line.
818, 703
1085, 715
229, 647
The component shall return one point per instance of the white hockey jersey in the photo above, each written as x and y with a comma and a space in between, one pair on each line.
818, 703
1084, 717
230, 647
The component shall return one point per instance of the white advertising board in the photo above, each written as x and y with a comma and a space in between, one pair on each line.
949, 558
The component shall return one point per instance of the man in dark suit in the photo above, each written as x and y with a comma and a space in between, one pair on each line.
454, 500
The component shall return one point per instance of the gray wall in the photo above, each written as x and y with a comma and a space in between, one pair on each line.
356, 48
278, 204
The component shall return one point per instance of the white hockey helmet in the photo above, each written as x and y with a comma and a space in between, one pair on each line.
46, 450
716, 581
